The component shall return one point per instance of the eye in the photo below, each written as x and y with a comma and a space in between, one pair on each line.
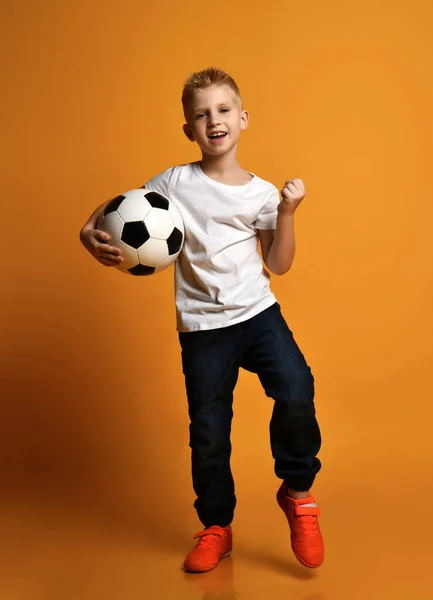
224, 110
200, 115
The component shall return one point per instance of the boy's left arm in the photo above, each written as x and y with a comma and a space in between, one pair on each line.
278, 247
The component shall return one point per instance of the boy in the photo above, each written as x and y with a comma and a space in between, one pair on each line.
227, 318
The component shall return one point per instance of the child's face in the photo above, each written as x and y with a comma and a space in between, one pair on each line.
215, 109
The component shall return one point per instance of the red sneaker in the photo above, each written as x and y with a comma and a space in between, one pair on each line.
214, 543
307, 542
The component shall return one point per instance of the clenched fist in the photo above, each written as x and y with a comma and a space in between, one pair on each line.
293, 193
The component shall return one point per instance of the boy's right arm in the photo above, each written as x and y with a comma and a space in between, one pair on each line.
96, 241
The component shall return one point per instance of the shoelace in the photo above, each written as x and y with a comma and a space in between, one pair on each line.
207, 540
308, 524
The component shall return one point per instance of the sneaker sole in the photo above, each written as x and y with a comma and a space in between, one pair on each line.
207, 570
306, 564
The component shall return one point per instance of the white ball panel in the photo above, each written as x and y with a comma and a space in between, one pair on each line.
153, 252
134, 207
177, 217
111, 224
159, 223
122, 269
165, 264
129, 255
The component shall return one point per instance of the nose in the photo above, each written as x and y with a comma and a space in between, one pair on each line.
213, 119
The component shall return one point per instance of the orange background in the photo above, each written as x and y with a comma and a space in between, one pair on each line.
93, 412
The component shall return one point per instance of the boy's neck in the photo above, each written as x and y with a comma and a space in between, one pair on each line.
224, 169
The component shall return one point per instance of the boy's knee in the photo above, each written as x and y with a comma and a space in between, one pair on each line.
301, 388
306, 382
298, 391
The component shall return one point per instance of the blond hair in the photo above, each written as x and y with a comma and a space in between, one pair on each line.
203, 79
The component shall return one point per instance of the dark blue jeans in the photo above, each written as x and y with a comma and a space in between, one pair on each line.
211, 361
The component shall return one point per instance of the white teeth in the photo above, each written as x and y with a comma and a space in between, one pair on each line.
216, 135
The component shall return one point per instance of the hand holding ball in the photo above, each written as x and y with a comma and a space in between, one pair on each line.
148, 229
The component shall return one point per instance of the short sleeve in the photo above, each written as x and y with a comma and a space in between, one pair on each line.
267, 217
161, 183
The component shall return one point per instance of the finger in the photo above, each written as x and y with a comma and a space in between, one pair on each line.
110, 257
294, 181
110, 262
108, 250
297, 182
105, 248
107, 262
102, 235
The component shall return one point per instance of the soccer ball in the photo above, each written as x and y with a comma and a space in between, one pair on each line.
148, 229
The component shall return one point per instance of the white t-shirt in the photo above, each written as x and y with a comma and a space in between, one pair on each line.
219, 275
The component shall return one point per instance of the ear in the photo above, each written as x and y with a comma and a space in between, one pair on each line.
245, 118
187, 131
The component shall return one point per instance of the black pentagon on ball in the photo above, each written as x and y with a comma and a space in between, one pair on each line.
134, 234
141, 270
113, 205
156, 200
174, 241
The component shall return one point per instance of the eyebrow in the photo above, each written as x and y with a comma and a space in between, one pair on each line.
219, 106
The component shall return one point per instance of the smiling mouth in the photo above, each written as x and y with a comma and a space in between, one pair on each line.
217, 136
